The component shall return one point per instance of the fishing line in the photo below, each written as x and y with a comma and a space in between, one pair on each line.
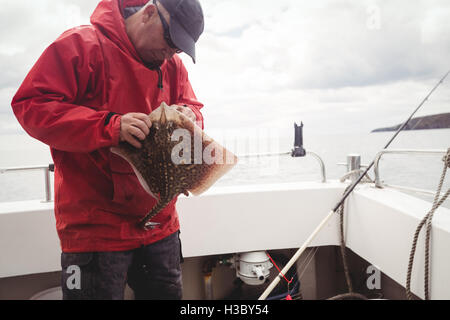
389, 143
344, 197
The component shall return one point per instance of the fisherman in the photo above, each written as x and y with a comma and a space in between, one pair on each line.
91, 88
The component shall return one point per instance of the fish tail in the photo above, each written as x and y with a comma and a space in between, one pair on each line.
155, 210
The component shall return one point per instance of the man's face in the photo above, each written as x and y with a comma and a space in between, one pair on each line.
150, 42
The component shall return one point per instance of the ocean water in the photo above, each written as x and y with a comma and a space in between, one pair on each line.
418, 171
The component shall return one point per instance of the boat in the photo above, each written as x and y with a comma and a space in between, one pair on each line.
250, 232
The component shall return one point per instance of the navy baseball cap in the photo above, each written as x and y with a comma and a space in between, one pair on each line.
186, 23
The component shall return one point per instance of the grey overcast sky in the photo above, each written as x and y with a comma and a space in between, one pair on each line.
337, 65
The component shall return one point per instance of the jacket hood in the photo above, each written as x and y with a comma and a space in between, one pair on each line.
108, 18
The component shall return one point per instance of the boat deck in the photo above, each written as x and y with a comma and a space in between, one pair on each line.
380, 224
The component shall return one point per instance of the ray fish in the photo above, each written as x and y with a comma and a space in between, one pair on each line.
177, 157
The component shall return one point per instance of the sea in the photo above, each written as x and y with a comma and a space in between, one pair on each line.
416, 171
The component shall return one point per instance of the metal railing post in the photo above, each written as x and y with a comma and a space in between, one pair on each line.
48, 196
321, 163
46, 169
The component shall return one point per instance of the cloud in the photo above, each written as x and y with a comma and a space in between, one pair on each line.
328, 46
351, 65
338, 64
26, 29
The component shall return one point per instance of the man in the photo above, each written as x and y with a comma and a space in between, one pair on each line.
90, 89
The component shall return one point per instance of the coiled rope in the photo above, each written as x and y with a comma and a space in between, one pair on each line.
427, 220
366, 178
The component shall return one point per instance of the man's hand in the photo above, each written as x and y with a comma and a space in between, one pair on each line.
134, 126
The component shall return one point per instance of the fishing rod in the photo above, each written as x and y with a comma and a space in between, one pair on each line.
299, 252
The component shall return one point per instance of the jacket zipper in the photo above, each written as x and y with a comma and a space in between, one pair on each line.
160, 79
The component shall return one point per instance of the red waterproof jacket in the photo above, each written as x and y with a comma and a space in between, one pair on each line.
72, 100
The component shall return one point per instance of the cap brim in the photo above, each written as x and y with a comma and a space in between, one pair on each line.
182, 39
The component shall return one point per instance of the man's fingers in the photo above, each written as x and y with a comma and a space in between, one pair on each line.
143, 117
137, 132
132, 140
134, 127
141, 125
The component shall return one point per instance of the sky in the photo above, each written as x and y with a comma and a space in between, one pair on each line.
337, 65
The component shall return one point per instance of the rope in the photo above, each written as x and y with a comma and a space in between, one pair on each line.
350, 173
427, 220
351, 295
343, 247
446, 159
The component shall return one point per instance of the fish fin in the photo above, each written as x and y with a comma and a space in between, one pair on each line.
138, 174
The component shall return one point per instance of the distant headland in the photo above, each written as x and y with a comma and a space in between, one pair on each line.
435, 121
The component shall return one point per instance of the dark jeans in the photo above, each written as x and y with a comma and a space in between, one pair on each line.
152, 271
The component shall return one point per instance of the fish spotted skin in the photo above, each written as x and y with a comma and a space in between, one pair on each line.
159, 175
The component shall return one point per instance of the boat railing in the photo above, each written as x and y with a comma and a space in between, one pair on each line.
376, 168
46, 169
51, 168
291, 153
298, 151
350, 165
